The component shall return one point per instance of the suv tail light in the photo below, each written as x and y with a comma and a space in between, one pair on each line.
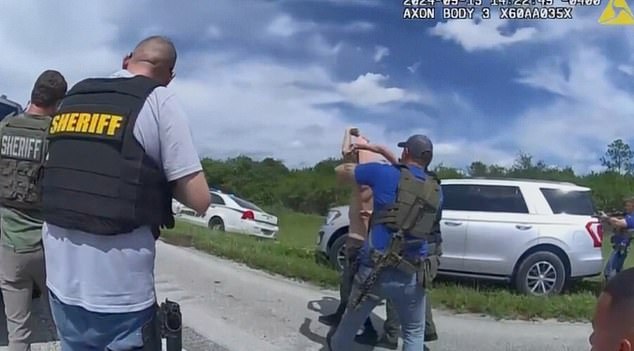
595, 230
248, 215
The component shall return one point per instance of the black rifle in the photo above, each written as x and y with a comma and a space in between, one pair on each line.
389, 259
171, 325
613, 213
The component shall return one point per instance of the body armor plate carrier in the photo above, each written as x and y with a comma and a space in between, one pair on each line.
98, 178
414, 211
22, 153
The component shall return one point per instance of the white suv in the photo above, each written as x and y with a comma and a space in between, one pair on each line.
538, 235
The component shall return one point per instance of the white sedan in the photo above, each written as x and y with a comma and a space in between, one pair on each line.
230, 213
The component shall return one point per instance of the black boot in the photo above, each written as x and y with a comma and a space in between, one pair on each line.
388, 342
331, 319
369, 336
431, 337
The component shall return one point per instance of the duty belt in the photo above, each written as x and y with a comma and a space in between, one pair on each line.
407, 265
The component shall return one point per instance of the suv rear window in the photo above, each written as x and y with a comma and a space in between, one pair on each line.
484, 198
569, 202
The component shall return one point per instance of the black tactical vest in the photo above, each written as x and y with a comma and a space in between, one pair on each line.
98, 178
415, 208
22, 153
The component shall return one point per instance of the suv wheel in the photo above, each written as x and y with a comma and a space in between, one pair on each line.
337, 253
541, 273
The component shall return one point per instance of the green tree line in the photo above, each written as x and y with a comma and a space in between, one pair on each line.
271, 184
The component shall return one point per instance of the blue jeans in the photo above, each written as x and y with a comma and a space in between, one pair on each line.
82, 330
408, 297
615, 262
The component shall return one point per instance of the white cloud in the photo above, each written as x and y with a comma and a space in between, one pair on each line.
358, 26
368, 90
461, 152
481, 36
380, 52
590, 112
627, 69
494, 33
244, 103
285, 26
66, 46
213, 32
236, 104
414, 67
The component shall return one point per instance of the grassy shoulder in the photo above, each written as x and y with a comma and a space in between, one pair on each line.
292, 255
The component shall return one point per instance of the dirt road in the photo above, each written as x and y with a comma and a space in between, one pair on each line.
243, 309
229, 307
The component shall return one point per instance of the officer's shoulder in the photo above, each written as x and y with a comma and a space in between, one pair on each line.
162, 95
11, 117
433, 175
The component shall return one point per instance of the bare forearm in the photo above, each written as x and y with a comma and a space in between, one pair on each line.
347, 142
389, 156
193, 192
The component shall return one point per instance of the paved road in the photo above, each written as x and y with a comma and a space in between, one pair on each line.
229, 307
244, 309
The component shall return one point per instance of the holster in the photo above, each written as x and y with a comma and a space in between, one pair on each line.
428, 271
171, 325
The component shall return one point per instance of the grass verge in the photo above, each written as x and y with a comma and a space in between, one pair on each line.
292, 256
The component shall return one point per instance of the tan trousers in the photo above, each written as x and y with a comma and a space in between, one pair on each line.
18, 273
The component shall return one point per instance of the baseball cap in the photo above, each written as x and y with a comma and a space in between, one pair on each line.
417, 144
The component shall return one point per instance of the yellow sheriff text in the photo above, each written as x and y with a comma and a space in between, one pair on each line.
86, 123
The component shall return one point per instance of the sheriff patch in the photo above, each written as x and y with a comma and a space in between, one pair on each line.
97, 124
21, 147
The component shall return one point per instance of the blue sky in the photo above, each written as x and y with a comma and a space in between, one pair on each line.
284, 78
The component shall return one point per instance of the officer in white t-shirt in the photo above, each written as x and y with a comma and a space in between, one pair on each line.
119, 149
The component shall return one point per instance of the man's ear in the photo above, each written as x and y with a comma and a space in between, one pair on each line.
126, 61
625, 345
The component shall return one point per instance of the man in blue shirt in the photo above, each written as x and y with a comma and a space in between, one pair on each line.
621, 239
404, 289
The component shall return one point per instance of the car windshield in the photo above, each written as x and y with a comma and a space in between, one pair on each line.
573, 202
246, 204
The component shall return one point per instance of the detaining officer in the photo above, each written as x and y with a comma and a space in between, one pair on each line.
405, 288
22, 153
621, 238
391, 326
119, 149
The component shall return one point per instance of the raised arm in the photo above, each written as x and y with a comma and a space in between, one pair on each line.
379, 149
346, 145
